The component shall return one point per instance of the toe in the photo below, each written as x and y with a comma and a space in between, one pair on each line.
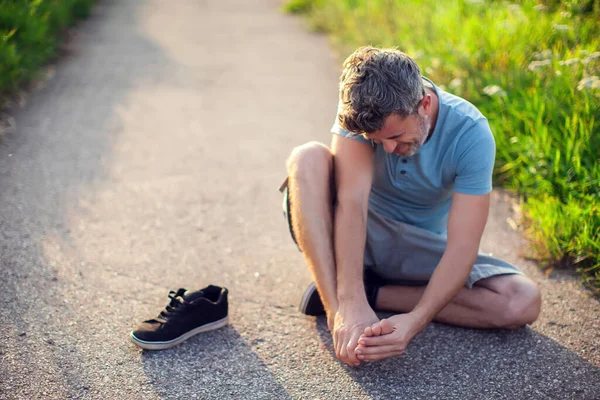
386, 326
377, 329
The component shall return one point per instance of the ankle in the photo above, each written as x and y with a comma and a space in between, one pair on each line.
330, 321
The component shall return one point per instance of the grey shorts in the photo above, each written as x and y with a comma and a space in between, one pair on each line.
399, 253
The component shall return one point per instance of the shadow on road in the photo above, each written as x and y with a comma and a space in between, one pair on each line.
446, 362
215, 362
60, 151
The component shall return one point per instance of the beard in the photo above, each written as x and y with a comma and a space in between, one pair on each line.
420, 140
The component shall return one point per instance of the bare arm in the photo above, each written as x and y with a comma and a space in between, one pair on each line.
467, 219
468, 215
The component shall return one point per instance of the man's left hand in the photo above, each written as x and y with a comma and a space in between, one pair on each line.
388, 337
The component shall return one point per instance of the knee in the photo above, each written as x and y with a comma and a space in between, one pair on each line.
523, 303
309, 161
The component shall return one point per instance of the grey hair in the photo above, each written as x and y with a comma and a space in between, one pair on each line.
375, 84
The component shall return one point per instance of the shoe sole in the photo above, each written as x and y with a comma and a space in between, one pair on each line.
306, 297
174, 342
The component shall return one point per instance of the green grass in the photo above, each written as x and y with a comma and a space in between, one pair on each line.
534, 71
30, 31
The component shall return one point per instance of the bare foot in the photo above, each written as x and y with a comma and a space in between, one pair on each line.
330, 320
383, 327
379, 328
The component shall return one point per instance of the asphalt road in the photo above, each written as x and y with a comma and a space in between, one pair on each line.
149, 161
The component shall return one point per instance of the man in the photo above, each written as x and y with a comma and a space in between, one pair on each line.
403, 197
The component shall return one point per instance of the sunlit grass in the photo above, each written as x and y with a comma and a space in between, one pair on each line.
29, 35
533, 69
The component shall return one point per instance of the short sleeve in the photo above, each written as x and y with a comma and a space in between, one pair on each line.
476, 152
338, 130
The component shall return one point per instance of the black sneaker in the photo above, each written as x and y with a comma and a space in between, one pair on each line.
311, 303
187, 314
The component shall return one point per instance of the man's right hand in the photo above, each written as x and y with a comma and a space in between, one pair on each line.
349, 323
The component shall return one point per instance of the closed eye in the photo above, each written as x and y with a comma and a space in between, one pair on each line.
369, 137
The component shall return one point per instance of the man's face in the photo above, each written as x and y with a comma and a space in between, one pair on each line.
402, 136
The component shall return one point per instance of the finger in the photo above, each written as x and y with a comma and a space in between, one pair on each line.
378, 357
350, 350
375, 350
352, 344
342, 349
378, 340
336, 344
342, 354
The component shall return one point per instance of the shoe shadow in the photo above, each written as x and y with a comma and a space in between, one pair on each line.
216, 364
456, 363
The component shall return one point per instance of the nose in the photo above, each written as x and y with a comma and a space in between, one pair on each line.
389, 146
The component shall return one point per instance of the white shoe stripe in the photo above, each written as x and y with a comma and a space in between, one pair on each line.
160, 345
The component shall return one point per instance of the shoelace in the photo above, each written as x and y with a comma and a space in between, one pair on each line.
175, 305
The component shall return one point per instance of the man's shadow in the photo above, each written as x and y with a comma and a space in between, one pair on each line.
214, 365
445, 362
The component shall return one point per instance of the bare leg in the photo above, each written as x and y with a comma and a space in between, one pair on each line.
506, 301
310, 172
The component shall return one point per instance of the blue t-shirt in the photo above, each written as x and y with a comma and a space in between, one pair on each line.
459, 156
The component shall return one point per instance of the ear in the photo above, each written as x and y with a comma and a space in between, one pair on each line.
425, 106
